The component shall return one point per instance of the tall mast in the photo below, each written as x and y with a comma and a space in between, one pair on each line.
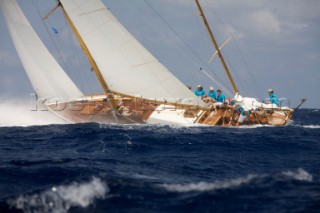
87, 52
217, 48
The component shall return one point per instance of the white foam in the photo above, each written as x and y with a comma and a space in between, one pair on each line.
300, 174
204, 186
22, 113
311, 126
61, 198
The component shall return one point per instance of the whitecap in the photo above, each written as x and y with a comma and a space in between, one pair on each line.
59, 199
205, 186
311, 126
300, 174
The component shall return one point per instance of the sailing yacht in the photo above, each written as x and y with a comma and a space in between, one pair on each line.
137, 87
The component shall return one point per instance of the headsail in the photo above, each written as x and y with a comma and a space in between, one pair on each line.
126, 66
47, 77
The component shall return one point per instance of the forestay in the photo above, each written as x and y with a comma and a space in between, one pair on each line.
126, 66
47, 77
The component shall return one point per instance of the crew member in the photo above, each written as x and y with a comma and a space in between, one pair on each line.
273, 98
220, 101
212, 94
200, 92
243, 115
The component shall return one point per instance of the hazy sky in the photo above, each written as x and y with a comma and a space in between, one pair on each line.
276, 45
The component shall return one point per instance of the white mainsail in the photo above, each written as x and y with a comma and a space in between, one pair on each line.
126, 66
47, 77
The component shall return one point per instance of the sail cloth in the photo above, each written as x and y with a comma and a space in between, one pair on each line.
126, 66
47, 77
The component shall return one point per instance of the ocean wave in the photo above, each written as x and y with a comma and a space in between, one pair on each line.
300, 175
204, 186
59, 199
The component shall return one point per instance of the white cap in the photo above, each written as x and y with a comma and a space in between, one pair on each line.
199, 86
211, 88
270, 90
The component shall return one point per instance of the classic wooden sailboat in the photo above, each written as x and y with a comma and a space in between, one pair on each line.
138, 88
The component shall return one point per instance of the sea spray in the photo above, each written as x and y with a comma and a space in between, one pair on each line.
61, 198
25, 113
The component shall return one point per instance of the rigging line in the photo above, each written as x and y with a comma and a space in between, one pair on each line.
222, 84
69, 65
248, 68
171, 28
204, 33
215, 44
241, 79
226, 90
59, 54
209, 44
66, 65
238, 47
264, 77
262, 72
226, 61
76, 53
221, 66
37, 7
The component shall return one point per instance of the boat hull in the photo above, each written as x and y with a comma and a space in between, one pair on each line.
135, 110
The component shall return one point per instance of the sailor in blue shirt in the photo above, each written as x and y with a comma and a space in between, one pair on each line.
200, 92
273, 98
243, 115
220, 96
212, 94
211, 97
220, 101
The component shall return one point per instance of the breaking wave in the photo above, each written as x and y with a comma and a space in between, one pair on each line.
300, 175
311, 126
61, 198
204, 186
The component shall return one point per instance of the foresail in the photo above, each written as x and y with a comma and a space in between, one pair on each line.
47, 77
126, 66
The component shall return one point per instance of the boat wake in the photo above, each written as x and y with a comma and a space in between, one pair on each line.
61, 198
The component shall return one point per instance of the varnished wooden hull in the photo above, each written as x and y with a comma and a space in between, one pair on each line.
124, 111
135, 110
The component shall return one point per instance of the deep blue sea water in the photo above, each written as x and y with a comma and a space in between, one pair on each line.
152, 168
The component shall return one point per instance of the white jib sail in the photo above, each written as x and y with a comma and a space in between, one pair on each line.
47, 77
126, 65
